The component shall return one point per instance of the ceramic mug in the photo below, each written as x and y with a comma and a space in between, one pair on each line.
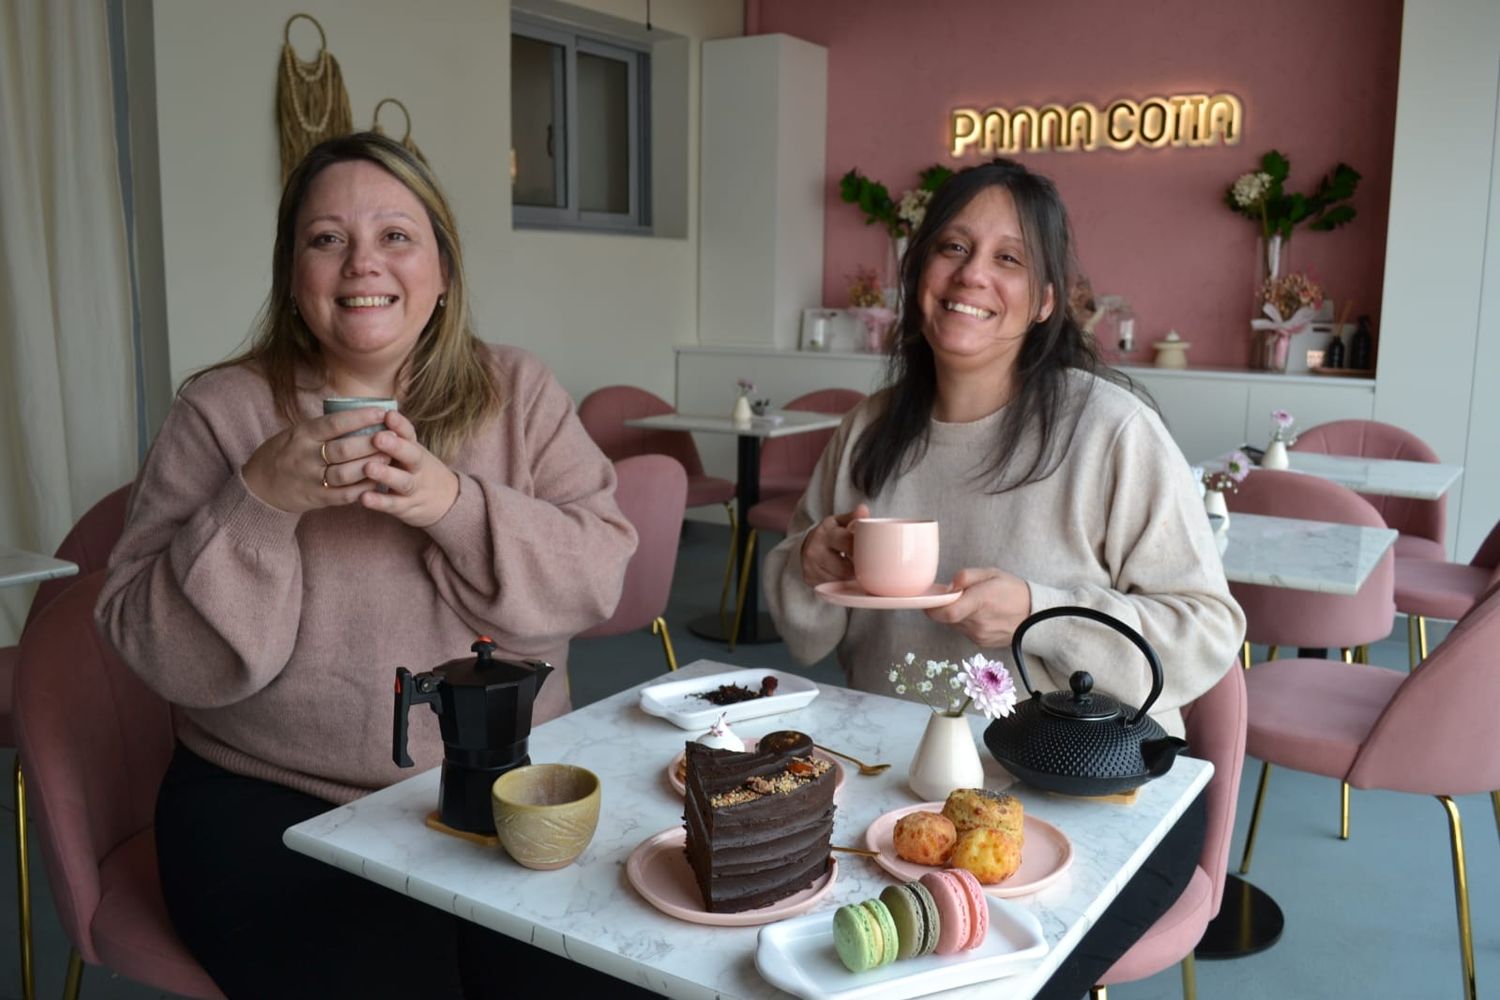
337, 404
895, 556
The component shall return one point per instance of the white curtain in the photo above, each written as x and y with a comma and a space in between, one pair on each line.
67, 385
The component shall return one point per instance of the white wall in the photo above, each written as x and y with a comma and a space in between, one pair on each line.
597, 308
1439, 329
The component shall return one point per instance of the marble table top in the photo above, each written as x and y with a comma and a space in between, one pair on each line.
790, 422
17, 566
1387, 477
1302, 555
590, 913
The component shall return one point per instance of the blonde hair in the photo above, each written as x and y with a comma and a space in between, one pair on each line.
448, 389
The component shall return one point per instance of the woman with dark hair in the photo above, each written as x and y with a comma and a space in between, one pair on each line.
276, 567
1052, 482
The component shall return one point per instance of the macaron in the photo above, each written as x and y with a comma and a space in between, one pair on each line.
915, 916
890, 938
857, 937
979, 906
952, 902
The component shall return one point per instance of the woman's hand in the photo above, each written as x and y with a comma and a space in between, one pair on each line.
311, 465
992, 605
422, 488
825, 550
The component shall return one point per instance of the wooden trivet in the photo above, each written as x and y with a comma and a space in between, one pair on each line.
483, 839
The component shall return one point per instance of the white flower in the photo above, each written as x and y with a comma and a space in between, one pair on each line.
913, 206
1250, 189
990, 685
900, 688
924, 687
895, 676
955, 682
911, 658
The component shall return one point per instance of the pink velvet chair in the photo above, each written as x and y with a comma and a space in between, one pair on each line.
1427, 588
651, 492
88, 544
1430, 732
787, 463
1216, 732
1421, 522
96, 743
1280, 617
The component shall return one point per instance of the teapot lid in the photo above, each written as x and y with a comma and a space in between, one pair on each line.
1082, 702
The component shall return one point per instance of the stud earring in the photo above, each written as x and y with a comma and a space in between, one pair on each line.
442, 301
294, 307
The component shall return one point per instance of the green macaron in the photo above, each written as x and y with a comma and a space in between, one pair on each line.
889, 937
857, 937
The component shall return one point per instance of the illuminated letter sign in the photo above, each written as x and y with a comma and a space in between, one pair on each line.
1154, 123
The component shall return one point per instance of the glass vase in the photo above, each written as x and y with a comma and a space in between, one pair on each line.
947, 758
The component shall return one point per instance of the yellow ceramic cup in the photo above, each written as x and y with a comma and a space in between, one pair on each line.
545, 814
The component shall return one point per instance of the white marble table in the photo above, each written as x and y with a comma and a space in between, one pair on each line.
1303, 555
1388, 477
590, 913
17, 567
754, 626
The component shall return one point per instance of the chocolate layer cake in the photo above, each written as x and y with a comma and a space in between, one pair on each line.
758, 822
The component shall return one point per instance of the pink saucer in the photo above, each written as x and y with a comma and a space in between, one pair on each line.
848, 594
659, 870
1045, 855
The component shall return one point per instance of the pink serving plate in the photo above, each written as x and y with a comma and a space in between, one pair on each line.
1046, 852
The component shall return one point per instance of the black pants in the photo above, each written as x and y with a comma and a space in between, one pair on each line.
1150, 892
265, 921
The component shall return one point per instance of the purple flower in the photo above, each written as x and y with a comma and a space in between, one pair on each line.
1238, 466
1283, 418
989, 685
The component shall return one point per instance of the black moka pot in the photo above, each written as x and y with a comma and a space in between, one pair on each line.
483, 707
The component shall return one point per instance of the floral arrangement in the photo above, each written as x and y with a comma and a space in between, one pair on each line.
864, 289
1260, 195
900, 218
1228, 479
744, 386
985, 684
1292, 293
1282, 427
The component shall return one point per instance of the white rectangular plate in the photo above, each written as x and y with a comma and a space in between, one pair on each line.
676, 701
797, 955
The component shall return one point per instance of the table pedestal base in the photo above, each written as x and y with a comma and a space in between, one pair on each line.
1249, 921
760, 629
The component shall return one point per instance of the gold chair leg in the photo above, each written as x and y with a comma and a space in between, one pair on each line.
728, 567
1412, 656
1422, 637
1347, 654
1098, 993
1495, 798
1461, 895
1343, 810
1245, 655
1189, 978
23, 884
1260, 798
739, 600
659, 627
1273, 652
75, 975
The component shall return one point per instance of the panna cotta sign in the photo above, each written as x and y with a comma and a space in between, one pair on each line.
1156, 123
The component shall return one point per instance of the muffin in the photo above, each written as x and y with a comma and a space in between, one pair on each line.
990, 855
925, 838
975, 808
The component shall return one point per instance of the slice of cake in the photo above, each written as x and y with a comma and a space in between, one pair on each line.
758, 822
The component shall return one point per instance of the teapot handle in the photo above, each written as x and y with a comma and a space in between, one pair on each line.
1157, 678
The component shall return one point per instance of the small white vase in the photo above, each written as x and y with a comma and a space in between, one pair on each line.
1275, 456
742, 412
947, 758
1213, 502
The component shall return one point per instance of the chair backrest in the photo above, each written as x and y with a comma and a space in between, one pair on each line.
603, 413
652, 494
787, 463
1278, 616
1488, 556
1438, 734
88, 544
1373, 439
96, 742
1215, 726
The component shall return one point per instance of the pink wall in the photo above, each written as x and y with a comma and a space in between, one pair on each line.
1318, 82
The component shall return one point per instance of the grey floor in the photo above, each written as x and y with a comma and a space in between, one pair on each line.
1372, 917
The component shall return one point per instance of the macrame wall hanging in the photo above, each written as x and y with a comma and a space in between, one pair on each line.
311, 102
406, 139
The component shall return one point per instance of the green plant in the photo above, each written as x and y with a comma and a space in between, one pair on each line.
900, 218
1260, 195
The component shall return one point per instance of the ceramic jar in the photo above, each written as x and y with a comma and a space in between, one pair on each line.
742, 413
1213, 503
947, 758
1275, 456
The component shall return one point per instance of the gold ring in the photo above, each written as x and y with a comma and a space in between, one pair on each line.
325, 477
323, 453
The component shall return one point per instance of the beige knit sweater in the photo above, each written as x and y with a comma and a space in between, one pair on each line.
1119, 527
278, 635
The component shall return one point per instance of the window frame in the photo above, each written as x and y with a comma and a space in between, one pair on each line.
574, 40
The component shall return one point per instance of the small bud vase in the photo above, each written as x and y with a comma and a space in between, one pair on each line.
1213, 503
742, 413
947, 758
1275, 456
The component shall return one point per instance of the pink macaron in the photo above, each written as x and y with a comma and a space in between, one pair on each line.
979, 906
953, 909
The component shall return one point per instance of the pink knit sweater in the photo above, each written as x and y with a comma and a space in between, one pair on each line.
278, 635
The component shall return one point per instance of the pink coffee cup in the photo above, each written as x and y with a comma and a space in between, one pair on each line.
895, 556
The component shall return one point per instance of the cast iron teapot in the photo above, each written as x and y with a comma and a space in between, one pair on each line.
1082, 742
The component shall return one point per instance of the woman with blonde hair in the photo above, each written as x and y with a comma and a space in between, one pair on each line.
278, 564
